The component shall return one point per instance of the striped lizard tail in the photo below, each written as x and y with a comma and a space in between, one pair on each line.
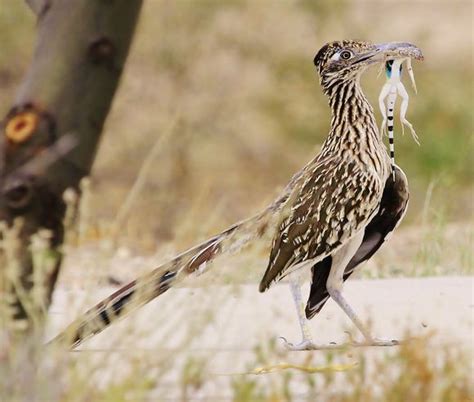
153, 284
391, 105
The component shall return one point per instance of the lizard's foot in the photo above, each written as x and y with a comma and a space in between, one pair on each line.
405, 122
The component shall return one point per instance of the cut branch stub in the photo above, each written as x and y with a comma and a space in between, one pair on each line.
21, 127
18, 193
28, 131
102, 51
27, 119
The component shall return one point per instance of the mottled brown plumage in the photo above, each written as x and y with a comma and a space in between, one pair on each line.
334, 214
390, 212
336, 200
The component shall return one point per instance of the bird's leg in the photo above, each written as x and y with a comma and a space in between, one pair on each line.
334, 286
307, 342
403, 111
369, 339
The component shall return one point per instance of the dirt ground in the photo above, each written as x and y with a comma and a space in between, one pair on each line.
223, 325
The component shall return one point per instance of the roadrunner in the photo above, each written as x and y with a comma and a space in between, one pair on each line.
333, 215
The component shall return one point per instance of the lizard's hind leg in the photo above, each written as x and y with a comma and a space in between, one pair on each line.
403, 111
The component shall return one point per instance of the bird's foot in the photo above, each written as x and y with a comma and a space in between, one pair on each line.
305, 344
308, 344
372, 341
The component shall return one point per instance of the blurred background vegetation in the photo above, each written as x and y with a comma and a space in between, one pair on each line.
235, 81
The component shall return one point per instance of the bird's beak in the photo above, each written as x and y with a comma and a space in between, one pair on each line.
397, 50
392, 50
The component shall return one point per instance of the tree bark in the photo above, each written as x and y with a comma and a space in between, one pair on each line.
50, 135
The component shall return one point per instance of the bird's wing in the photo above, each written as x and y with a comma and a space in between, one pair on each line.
333, 201
393, 206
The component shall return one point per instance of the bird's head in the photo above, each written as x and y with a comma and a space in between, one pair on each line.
346, 60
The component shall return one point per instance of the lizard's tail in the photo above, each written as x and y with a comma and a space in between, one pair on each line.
152, 284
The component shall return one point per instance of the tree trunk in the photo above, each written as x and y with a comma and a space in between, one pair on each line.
50, 136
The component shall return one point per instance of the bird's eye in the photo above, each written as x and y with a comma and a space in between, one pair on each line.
345, 55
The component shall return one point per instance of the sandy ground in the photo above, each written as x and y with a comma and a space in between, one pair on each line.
226, 323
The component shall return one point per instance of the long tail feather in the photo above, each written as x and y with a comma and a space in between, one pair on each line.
152, 284
194, 261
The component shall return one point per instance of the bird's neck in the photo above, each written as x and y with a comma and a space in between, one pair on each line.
354, 134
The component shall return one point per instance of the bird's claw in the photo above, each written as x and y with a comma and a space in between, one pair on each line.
305, 344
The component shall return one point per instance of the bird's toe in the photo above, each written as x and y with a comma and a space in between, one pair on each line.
305, 344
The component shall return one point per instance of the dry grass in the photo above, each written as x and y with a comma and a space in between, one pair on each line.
418, 371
